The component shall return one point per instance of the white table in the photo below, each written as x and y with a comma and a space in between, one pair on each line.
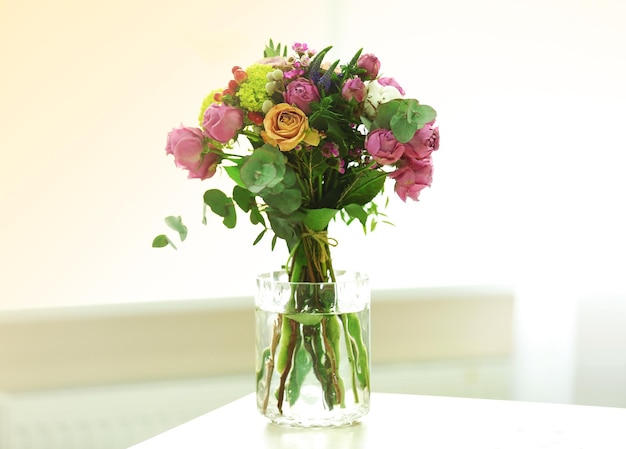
411, 421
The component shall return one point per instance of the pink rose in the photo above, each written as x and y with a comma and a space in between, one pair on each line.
383, 146
187, 144
301, 92
370, 64
424, 142
386, 81
412, 177
222, 122
354, 88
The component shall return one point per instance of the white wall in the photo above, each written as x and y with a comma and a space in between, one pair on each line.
528, 180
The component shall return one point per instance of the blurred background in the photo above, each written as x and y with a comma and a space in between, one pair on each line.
513, 262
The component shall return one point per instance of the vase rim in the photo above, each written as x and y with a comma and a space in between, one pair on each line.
341, 277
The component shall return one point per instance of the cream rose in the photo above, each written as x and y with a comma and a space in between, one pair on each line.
377, 94
286, 126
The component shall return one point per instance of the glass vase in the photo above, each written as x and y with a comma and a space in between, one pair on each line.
313, 350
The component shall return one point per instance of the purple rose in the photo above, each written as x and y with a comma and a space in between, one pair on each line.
370, 64
222, 122
301, 92
424, 142
354, 88
187, 145
412, 177
384, 147
386, 81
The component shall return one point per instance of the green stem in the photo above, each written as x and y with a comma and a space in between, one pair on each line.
291, 347
310, 262
270, 360
351, 357
330, 335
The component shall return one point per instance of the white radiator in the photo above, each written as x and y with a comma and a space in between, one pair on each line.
118, 416
109, 417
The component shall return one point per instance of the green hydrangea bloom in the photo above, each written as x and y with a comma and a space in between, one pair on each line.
206, 103
252, 93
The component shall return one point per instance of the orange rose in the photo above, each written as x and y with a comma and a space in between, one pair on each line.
286, 126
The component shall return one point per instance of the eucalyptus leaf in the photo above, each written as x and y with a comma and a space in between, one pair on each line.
283, 229
176, 223
403, 125
255, 216
161, 241
264, 168
385, 113
243, 197
409, 117
217, 201
257, 174
289, 179
426, 115
287, 201
221, 205
230, 220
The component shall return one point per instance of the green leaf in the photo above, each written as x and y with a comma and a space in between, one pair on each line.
318, 219
287, 201
272, 50
403, 125
368, 184
255, 216
233, 171
409, 117
283, 229
309, 319
289, 179
243, 197
259, 237
217, 201
262, 175
221, 205
176, 223
264, 168
230, 220
403, 116
385, 113
161, 241
426, 114
357, 211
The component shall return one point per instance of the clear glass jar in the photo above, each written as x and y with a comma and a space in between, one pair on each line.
313, 349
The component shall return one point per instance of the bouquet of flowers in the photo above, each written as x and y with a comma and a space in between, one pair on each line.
306, 142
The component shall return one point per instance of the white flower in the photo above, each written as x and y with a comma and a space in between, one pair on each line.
378, 94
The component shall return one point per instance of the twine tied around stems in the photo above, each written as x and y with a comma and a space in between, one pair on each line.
314, 246
320, 237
